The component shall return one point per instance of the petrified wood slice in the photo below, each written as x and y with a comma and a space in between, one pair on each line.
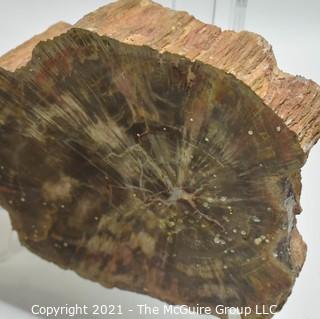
149, 172
246, 55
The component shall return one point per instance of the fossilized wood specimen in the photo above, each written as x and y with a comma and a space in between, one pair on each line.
79, 126
148, 172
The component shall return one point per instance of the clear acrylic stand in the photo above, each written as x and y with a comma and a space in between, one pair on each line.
9, 243
214, 9
236, 15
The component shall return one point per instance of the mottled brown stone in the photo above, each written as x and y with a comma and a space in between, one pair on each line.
99, 167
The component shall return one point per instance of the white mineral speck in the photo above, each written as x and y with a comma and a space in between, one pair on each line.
250, 132
256, 219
